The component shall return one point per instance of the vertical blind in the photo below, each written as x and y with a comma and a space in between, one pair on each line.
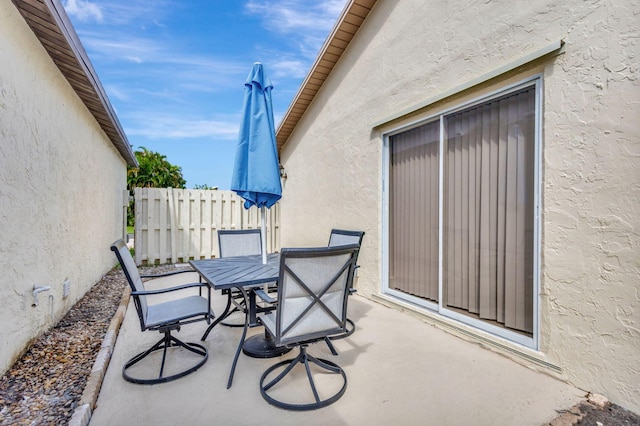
488, 207
488, 210
413, 210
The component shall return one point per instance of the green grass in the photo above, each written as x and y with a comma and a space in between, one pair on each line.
129, 229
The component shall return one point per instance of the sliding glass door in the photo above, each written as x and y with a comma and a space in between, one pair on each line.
461, 222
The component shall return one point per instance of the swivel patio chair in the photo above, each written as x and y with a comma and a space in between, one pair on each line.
338, 237
239, 242
312, 304
163, 317
341, 237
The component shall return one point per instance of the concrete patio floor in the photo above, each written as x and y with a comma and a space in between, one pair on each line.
400, 371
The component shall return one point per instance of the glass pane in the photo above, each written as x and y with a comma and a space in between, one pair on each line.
488, 222
413, 216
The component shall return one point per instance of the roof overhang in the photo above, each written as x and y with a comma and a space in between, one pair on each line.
343, 32
51, 25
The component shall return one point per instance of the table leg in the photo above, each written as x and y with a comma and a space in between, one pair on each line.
260, 345
220, 318
252, 307
241, 343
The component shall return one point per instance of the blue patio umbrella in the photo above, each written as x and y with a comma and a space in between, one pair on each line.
256, 172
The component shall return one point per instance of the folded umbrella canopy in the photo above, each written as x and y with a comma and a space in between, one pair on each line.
256, 171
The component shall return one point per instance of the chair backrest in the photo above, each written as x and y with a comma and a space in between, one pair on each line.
312, 292
240, 242
341, 237
133, 277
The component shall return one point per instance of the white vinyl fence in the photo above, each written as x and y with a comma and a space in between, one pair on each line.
177, 225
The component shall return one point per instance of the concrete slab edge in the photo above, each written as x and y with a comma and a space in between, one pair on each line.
82, 414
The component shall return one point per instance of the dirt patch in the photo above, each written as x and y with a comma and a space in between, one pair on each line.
598, 413
609, 415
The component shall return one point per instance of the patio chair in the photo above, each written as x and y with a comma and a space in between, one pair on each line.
239, 242
340, 237
163, 317
312, 304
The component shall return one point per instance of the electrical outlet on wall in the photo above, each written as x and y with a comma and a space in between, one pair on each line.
66, 288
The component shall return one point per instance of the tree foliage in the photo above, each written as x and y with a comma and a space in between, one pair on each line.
205, 186
154, 172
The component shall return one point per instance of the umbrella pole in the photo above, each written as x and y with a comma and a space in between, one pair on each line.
263, 234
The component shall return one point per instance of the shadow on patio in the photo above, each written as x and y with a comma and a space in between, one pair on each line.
399, 369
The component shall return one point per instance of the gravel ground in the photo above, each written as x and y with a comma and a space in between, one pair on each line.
46, 384
610, 415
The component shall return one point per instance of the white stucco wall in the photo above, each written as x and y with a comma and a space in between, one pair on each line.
61, 190
410, 51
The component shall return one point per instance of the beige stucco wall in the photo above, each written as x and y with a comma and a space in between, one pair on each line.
410, 51
61, 189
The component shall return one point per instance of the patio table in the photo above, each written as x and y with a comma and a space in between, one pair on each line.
242, 273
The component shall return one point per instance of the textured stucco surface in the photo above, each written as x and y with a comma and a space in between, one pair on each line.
410, 51
61, 190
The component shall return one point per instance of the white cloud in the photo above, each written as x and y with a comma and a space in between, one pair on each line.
111, 47
155, 126
117, 92
309, 22
290, 68
108, 45
119, 12
84, 10
297, 16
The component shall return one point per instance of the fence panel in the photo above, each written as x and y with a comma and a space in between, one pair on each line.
177, 225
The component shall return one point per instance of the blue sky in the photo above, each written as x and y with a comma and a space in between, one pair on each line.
174, 71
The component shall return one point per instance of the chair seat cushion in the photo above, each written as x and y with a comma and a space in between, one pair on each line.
309, 330
176, 310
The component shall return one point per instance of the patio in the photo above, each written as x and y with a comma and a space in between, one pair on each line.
399, 369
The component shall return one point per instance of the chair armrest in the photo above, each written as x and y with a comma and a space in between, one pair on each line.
168, 289
264, 296
166, 274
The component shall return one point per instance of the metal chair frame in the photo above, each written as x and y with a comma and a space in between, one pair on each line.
335, 323
336, 238
201, 311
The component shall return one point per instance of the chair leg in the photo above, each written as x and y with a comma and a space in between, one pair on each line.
225, 313
330, 345
192, 347
166, 342
348, 333
239, 306
303, 358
